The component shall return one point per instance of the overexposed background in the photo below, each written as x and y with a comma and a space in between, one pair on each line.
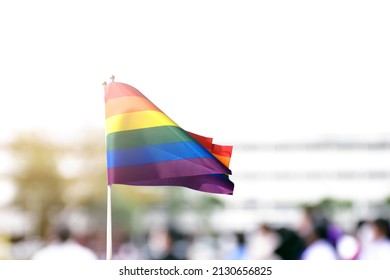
254, 74
241, 72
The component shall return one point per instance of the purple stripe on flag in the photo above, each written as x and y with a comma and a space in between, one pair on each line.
164, 170
204, 183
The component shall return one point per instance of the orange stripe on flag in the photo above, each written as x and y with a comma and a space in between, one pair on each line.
224, 160
128, 104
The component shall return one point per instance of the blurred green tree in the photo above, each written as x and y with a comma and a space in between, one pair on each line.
37, 177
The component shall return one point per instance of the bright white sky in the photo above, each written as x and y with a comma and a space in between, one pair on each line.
240, 71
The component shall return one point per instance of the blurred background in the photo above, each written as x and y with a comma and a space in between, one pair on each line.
299, 89
294, 187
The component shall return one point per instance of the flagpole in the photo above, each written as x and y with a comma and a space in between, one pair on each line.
109, 215
109, 225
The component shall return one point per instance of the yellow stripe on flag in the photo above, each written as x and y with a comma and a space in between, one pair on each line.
137, 120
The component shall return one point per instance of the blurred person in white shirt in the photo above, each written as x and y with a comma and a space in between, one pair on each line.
262, 243
318, 247
379, 246
64, 247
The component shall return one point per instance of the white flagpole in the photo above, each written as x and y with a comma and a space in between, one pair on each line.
109, 225
109, 220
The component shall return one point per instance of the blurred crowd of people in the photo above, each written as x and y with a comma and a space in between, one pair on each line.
315, 238
318, 238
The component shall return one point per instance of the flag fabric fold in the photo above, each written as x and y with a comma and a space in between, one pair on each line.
146, 148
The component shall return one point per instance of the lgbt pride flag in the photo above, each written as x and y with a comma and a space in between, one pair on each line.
146, 148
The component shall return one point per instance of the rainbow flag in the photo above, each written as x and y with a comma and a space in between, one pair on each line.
146, 148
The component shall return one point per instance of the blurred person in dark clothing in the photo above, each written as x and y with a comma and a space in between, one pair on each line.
240, 252
177, 245
170, 252
314, 216
286, 245
166, 243
291, 245
310, 217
